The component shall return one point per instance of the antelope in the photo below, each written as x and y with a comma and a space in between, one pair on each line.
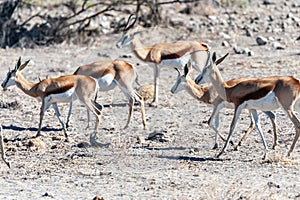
55, 90
268, 93
163, 54
111, 73
2, 149
209, 96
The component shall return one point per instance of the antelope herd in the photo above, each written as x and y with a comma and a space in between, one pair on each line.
265, 94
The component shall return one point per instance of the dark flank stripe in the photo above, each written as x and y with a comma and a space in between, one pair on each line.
262, 92
173, 55
59, 90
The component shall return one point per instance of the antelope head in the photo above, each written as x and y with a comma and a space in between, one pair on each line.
12, 75
181, 78
204, 76
129, 32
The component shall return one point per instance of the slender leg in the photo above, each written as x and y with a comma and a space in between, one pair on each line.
69, 114
57, 113
88, 112
142, 106
215, 117
257, 124
156, 83
297, 127
272, 117
237, 112
131, 103
249, 130
2, 149
44, 107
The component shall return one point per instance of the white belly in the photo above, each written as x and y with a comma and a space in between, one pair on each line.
106, 82
178, 62
267, 103
62, 97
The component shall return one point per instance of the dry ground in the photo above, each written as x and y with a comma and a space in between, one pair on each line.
183, 167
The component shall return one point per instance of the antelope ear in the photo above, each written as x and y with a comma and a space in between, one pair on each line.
214, 57
221, 59
23, 65
186, 69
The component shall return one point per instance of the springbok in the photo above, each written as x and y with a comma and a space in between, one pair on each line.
2, 149
268, 93
111, 73
175, 54
55, 90
209, 96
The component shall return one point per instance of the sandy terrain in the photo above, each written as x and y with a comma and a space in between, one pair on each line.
183, 166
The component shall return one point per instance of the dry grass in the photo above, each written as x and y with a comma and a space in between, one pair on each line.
147, 92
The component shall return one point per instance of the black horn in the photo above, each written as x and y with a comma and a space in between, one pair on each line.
130, 24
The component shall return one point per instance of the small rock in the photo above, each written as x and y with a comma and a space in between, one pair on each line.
261, 40
83, 145
57, 138
225, 44
158, 137
36, 144
238, 50
277, 46
243, 51
267, 2
141, 140
98, 198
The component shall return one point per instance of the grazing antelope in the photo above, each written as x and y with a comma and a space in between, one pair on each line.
55, 90
209, 96
268, 93
2, 149
111, 73
163, 54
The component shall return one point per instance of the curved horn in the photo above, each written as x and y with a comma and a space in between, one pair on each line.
128, 24
18, 63
177, 71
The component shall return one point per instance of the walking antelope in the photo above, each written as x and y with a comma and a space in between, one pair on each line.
268, 93
2, 149
55, 90
209, 96
161, 54
111, 73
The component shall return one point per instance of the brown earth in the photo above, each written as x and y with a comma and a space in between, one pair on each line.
182, 167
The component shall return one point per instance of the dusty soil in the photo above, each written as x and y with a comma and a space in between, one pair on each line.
183, 166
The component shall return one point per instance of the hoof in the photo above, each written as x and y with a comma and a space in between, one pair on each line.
236, 148
216, 146
39, 135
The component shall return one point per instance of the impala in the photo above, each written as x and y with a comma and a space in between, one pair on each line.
55, 90
2, 149
161, 54
268, 93
111, 73
209, 96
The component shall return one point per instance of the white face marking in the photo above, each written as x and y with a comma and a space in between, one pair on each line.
62, 97
9, 80
267, 103
106, 82
178, 86
124, 40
